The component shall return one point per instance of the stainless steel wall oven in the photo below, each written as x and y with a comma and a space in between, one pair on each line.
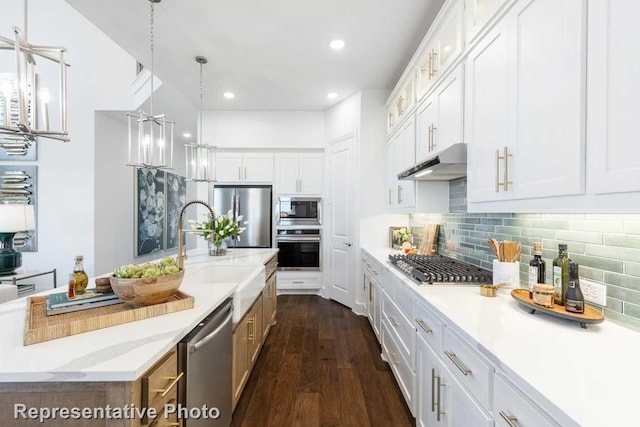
300, 249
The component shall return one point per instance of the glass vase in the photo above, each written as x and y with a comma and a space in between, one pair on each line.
218, 248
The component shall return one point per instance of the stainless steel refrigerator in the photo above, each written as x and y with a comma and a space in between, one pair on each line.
254, 203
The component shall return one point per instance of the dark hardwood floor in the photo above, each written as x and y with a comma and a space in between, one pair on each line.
320, 366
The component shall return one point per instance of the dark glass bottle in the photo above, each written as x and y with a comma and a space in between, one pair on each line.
537, 273
561, 274
82, 280
573, 299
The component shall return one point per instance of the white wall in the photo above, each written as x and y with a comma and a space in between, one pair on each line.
264, 129
98, 79
114, 190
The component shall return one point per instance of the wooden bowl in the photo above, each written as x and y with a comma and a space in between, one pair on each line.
146, 290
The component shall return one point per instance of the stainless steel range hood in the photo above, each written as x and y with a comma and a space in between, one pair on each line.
445, 165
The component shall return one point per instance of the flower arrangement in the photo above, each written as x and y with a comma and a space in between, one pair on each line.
222, 227
403, 234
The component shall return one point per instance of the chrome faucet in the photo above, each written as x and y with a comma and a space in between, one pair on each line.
181, 255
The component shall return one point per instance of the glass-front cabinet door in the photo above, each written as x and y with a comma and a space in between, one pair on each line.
479, 12
450, 38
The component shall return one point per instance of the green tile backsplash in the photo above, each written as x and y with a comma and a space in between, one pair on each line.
607, 246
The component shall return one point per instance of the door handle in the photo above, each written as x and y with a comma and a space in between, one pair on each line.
348, 243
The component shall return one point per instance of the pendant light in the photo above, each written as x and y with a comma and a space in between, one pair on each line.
150, 150
200, 157
19, 106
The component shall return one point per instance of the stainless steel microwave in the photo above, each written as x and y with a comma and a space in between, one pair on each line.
299, 210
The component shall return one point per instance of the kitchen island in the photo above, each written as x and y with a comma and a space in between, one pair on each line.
553, 370
108, 361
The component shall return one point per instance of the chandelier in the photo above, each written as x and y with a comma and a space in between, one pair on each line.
200, 157
19, 108
153, 147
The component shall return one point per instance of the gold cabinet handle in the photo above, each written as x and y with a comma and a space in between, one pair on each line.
423, 325
252, 338
510, 419
498, 183
433, 136
239, 173
460, 366
430, 65
392, 321
430, 138
506, 168
245, 173
390, 196
172, 384
433, 62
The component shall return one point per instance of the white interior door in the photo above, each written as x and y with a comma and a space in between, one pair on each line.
341, 251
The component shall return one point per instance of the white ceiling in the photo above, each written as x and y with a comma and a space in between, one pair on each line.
273, 54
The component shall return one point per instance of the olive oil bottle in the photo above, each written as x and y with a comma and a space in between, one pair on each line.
574, 299
537, 273
560, 274
82, 280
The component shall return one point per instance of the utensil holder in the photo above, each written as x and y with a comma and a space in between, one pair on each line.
506, 272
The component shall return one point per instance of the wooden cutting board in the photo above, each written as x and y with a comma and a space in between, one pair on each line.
429, 244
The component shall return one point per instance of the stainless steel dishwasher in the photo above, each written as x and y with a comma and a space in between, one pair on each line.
204, 356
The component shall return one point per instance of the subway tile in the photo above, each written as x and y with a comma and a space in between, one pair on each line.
479, 234
573, 247
515, 231
624, 240
606, 226
486, 228
500, 237
467, 226
591, 273
539, 233
632, 227
623, 294
492, 221
549, 223
471, 220
632, 268
631, 310
623, 254
517, 222
614, 304
622, 280
579, 236
500, 215
527, 215
596, 262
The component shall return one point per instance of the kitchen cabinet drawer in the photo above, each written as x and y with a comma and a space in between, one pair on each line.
510, 407
404, 299
399, 366
473, 372
429, 326
160, 383
402, 328
167, 420
302, 282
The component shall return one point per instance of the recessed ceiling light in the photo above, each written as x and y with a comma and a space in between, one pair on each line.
332, 95
336, 44
186, 135
229, 95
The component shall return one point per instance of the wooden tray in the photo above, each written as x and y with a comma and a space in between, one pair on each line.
590, 315
39, 327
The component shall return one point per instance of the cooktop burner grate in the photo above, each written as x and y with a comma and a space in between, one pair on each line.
439, 269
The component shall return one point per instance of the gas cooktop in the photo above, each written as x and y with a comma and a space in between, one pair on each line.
440, 270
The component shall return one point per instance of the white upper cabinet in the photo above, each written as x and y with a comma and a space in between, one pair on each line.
299, 173
439, 116
444, 46
233, 167
478, 16
614, 90
486, 125
526, 104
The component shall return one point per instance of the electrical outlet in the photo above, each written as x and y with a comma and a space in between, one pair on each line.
594, 292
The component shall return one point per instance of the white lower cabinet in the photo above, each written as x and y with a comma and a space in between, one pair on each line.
404, 374
440, 398
512, 408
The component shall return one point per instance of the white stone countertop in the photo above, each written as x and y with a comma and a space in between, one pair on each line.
583, 377
125, 352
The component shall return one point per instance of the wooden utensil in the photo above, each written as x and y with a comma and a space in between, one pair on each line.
501, 252
493, 245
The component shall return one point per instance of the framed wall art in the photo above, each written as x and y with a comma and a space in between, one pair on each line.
176, 198
18, 184
150, 211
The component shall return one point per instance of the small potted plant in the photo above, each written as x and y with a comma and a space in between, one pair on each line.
222, 227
